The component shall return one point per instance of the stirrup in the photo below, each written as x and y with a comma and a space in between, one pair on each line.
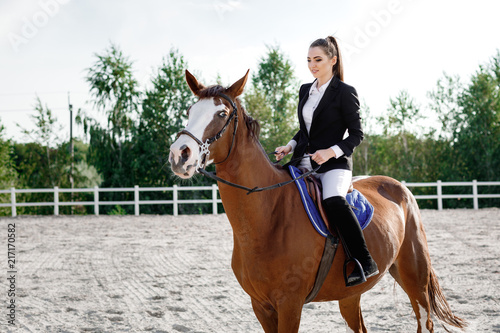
358, 267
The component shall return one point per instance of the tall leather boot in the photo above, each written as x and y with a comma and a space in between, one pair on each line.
342, 218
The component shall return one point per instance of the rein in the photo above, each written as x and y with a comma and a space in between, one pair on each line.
257, 189
204, 150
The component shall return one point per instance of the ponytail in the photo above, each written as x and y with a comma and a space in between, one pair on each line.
331, 49
338, 68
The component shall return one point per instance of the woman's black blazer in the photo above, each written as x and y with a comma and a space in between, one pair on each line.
337, 112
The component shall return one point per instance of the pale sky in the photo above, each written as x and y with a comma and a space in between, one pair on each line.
388, 45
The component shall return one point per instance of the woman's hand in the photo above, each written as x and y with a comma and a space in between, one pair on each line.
282, 151
323, 155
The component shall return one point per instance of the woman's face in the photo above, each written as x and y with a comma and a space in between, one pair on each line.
320, 66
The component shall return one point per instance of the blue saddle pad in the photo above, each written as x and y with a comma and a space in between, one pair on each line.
362, 208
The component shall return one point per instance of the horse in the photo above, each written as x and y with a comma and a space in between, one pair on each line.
276, 251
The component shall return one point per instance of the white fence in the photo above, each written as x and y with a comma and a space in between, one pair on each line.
96, 203
439, 196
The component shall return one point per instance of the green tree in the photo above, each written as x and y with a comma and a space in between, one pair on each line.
477, 124
114, 90
399, 152
163, 115
115, 93
272, 99
46, 161
444, 103
363, 155
40, 164
85, 175
470, 116
402, 115
8, 174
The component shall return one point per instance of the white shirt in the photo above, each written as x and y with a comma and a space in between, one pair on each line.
315, 96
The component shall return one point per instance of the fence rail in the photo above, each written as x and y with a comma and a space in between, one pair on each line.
439, 196
96, 203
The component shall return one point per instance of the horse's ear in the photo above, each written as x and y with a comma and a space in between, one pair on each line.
193, 84
237, 88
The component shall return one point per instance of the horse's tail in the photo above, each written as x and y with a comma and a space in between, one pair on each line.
440, 306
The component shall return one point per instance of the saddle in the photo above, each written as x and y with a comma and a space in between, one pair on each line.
310, 193
314, 188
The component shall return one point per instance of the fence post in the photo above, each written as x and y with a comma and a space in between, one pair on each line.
176, 208
13, 201
440, 195
56, 200
96, 200
214, 199
136, 200
474, 192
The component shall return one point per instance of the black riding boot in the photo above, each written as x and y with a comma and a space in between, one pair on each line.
342, 219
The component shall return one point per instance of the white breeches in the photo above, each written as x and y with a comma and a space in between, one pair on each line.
335, 182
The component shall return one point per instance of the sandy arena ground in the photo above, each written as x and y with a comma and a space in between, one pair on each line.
173, 274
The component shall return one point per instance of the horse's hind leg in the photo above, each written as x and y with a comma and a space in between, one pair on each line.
351, 312
412, 271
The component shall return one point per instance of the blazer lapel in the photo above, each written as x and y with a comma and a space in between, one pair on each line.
330, 93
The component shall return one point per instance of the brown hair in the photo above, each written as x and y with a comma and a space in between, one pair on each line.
330, 47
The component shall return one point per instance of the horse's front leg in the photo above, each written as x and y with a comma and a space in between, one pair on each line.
289, 316
286, 319
267, 316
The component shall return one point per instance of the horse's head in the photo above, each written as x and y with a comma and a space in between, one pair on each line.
208, 119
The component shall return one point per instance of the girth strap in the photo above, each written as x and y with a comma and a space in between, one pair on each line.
331, 245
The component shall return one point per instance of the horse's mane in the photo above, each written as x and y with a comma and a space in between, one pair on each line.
214, 91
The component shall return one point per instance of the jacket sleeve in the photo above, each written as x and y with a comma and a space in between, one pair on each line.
302, 92
350, 113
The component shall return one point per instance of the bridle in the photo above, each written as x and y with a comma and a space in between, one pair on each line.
205, 153
204, 146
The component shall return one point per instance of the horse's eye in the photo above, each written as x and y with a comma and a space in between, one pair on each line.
223, 114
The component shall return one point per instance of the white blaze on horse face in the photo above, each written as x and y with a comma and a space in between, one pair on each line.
201, 115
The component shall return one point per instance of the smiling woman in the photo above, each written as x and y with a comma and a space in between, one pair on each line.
330, 130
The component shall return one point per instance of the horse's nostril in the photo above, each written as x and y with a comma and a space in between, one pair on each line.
185, 153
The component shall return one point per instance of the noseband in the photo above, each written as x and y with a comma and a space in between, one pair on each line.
204, 146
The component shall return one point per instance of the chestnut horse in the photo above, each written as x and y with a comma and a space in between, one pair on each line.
276, 250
